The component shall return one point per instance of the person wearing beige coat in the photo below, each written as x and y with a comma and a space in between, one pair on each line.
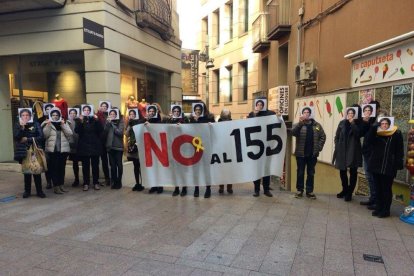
57, 136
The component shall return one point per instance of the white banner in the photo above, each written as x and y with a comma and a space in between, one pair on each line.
211, 154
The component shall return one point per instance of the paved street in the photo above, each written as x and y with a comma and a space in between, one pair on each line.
122, 232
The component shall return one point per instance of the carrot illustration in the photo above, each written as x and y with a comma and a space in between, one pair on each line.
317, 106
328, 108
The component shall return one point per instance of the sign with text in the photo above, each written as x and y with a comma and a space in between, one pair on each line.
93, 33
211, 154
189, 71
392, 64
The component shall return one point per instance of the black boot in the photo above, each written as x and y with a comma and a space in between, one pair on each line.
183, 191
38, 185
207, 194
27, 186
230, 188
160, 190
152, 190
138, 188
221, 189
196, 191
341, 194
75, 183
176, 191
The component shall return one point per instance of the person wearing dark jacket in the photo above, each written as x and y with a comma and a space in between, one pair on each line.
24, 133
387, 157
155, 116
134, 118
367, 122
259, 112
114, 139
310, 139
102, 115
90, 131
177, 117
348, 153
200, 115
225, 115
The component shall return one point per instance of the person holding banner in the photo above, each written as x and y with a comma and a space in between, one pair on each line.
201, 114
155, 116
134, 118
225, 115
259, 111
177, 117
348, 152
114, 144
24, 133
310, 139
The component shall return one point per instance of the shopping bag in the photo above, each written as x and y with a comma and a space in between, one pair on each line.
35, 160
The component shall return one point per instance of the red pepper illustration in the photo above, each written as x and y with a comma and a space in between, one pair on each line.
328, 108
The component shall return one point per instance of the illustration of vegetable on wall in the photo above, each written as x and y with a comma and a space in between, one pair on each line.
328, 107
339, 105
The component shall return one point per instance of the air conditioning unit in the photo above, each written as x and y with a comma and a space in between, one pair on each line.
305, 72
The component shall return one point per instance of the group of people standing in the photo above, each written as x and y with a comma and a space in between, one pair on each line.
381, 153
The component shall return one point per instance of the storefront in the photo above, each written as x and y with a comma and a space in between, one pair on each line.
382, 72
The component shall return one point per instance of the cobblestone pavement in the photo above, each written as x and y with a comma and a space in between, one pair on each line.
120, 232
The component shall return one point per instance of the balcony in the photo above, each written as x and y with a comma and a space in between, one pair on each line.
279, 19
156, 15
9, 6
259, 32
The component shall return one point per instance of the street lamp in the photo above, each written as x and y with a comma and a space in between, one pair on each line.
204, 57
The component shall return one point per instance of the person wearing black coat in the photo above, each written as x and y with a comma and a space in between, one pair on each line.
202, 115
348, 153
24, 134
89, 148
114, 144
259, 112
155, 116
387, 157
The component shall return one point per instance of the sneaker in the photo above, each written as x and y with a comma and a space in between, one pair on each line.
311, 195
341, 194
160, 190
183, 191
299, 194
152, 190
207, 193
41, 194
26, 194
176, 191
85, 188
62, 189
96, 187
256, 194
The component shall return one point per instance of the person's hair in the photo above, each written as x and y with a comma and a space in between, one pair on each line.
198, 105
49, 105
73, 109
104, 103
55, 111
176, 107
23, 111
385, 119
152, 107
350, 110
225, 114
307, 108
368, 107
113, 111
260, 101
88, 107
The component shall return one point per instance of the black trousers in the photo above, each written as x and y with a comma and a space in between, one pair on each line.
75, 166
265, 183
115, 160
86, 170
104, 159
348, 188
383, 187
137, 169
28, 182
57, 167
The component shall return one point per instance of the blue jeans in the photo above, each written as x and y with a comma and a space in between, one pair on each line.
371, 182
309, 162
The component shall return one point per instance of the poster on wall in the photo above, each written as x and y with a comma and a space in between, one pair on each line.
189, 71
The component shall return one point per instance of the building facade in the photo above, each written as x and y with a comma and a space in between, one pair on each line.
87, 51
326, 54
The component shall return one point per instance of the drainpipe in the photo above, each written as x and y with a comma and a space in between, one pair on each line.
299, 41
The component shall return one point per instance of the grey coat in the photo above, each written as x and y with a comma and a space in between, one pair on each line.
114, 133
348, 152
319, 138
50, 134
